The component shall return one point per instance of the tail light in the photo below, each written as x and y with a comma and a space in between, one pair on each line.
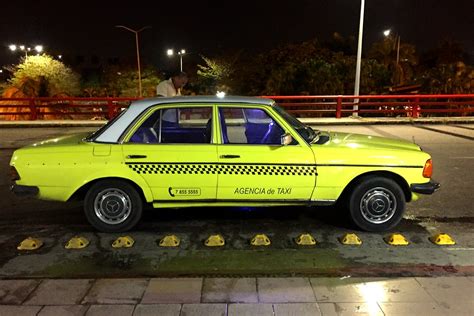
428, 169
14, 175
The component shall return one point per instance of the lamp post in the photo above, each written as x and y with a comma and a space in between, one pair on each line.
397, 38
138, 53
23, 48
170, 52
359, 56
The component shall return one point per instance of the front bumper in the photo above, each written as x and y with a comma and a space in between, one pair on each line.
425, 188
24, 190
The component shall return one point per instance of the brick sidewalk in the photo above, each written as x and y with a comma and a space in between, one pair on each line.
233, 296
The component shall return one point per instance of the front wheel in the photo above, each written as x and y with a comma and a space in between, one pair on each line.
376, 204
113, 206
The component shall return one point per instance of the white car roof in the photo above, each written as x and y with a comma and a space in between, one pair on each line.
113, 131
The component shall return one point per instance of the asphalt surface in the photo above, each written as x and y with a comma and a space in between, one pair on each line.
449, 210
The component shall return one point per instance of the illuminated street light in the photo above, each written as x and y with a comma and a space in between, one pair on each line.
387, 32
138, 53
23, 48
60, 56
170, 52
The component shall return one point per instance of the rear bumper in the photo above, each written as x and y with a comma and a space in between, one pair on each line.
24, 190
425, 188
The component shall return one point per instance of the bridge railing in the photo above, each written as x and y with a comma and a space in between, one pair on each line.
378, 105
302, 106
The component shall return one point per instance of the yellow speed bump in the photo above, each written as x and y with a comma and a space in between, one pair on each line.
170, 241
123, 242
77, 242
350, 239
442, 239
260, 240
305, 240
30, 244
397, 240
215, 241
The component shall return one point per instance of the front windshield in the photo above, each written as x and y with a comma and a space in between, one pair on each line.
305, 131
93, 135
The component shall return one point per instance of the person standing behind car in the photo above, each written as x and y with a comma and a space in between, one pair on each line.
172, 86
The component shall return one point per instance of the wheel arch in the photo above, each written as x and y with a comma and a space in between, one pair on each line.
386, 174
81, 192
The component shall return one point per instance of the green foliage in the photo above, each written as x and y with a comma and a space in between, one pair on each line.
123, 82
309, 69
51, 77
215, 75
449, 79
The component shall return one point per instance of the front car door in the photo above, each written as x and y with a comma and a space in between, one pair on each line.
254, 164
172, 149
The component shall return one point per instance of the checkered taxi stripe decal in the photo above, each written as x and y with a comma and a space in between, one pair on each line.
231, 169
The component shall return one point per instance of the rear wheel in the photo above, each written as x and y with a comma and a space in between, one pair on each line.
113, 206
376, 204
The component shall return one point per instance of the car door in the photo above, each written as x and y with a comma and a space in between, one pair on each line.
172, 149
254, 164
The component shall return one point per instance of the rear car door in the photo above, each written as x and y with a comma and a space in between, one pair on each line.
253, 163
172, 149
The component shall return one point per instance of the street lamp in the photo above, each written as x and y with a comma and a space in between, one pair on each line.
359, 55
170, 52
397, 38
23, 48
138, 53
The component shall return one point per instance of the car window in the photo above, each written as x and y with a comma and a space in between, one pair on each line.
176, 126
249, 126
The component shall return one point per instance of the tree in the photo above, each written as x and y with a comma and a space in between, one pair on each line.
385, 52
123, 81
43, 76
216, 74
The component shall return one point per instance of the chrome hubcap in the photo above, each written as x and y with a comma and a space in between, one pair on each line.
378, 205
112, 206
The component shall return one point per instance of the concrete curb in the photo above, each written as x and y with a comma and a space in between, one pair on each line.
309, 121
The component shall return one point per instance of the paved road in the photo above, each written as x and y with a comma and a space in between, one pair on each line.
449, 210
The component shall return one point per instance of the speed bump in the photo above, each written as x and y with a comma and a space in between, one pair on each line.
397, 240
215, 241
30, 244
260, 240
123, 242
170, 241
350, 239
77, 242
442, 239
305, 240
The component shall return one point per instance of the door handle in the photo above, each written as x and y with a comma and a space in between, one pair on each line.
135, 156
229, 156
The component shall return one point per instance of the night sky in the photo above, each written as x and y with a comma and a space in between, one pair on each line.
213, 27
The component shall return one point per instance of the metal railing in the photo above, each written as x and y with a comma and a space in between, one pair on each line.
302, 106
378, 105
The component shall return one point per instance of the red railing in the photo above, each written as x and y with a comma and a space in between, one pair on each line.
379, 105
302, 106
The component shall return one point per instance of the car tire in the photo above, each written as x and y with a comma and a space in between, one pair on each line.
376, 204
113, 206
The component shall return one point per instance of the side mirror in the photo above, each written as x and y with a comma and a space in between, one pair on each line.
286, 139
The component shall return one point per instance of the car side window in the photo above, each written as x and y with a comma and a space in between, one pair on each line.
176, 126
249, 126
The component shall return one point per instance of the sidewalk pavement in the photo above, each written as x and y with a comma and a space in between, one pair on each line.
310, 121
239, 296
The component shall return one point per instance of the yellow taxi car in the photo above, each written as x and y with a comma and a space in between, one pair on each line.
231, 151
